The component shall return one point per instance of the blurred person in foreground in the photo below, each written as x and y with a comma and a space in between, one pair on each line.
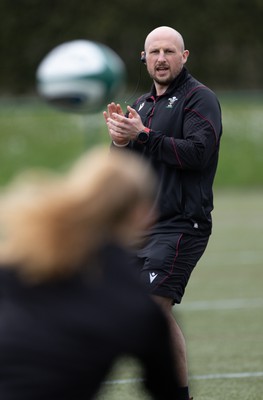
69, 303
177, 127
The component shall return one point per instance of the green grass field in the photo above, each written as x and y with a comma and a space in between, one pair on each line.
222, 311
33, 134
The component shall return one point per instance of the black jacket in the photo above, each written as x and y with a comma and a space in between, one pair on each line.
183, 147
58, 340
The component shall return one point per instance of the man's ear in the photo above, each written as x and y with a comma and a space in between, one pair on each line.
186, 54
143, 57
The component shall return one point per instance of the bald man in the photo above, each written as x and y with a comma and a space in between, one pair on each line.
177, 126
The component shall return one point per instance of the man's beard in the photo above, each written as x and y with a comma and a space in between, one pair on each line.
163, 82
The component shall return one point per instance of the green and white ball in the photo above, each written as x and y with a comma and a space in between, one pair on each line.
80, 76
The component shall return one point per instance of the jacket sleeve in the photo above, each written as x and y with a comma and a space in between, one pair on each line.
201, 130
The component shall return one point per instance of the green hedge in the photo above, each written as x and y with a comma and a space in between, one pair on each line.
224, 38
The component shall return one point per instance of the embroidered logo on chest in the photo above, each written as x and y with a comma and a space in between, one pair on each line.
171, 101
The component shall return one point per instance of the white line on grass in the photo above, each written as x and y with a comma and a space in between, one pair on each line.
122, 381
238, 375
226, 304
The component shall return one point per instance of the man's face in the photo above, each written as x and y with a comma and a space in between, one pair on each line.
165, 58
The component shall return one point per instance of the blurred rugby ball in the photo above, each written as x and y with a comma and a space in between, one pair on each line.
80, 76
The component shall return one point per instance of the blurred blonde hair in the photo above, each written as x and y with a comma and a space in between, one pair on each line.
50, 225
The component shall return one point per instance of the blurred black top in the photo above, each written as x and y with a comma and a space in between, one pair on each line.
58, 340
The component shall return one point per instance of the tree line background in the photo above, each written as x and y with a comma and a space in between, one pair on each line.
224, 36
